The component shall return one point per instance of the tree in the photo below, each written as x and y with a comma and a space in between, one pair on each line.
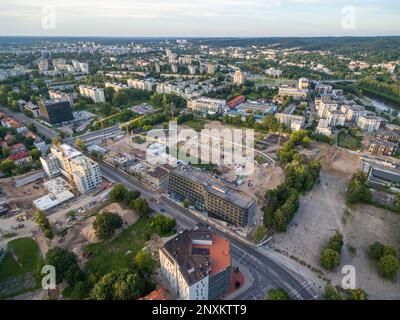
141, 206
80, 145
35, 154
144, 262
278, 294
376, 250
65, 264
259, 233
119, 285
162, 225
329, 258
44, 224
186, 203
331, 293
106, 223
358, 294
118, 193
336, 242
389, 266
358, 190
7, 166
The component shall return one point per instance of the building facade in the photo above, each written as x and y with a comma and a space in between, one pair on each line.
56, 111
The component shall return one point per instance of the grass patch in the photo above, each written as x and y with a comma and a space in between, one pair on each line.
8, 235
112, 255
19, 267
196, 124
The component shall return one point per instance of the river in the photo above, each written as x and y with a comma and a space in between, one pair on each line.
382, 103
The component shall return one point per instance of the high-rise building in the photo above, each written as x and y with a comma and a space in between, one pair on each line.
197, 264
43, 65
96, 94
192, 69
157, 67
174, 68
82, 172
210, 68
208, 194
56, 111
239, 77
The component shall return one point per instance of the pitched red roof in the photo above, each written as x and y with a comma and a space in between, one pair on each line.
236, 101
19, 156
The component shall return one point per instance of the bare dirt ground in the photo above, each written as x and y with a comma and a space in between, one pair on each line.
129, 216
23, 196
336, 161
321, 212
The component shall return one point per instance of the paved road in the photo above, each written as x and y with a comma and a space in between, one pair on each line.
43, 130
95, 136
266, 272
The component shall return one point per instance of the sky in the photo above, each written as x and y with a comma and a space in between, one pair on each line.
199, 18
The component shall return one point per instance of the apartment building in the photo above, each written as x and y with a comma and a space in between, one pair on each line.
295, 123
323, 127
369, 122
239, 77
140, 84
325, 107
207, 105
116, 86
60, 95
295, 93
96, 94
81, 171
210, 68
197, 264
382, 147
50, 165
210, 195
388, 135
352, 112
335, 118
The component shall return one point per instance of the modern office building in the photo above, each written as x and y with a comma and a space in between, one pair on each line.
197, 264
210, 195
56, 111
96, 94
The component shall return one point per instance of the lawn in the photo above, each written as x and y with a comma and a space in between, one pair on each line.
19, 267
119, 252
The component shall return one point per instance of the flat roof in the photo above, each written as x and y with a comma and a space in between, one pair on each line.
52, 200
215, 186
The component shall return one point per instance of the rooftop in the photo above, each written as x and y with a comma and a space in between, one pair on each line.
215, 186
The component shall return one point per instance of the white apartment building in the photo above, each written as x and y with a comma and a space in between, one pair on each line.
96, 94
369, 122
210, 68
83, 171
304, 84
272, 72
192, 69
325, 107
50, 165
295, 123
323, 127
335, 118
239, 77
208, 105
43, 65
80, 66
140, 84
352, 112
116, 86
60, 95
174, 68
86, 173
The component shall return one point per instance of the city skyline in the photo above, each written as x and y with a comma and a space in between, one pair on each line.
178, 18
